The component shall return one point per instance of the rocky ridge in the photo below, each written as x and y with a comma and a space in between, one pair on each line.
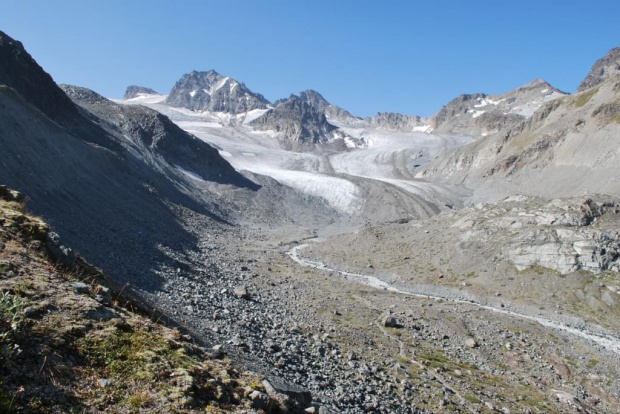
549, 147
156, 134
604, 68
397, 122
480, 114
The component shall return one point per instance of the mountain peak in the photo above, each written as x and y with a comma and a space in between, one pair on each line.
316, 100
133, 91
536, 83
602, 69
210, 91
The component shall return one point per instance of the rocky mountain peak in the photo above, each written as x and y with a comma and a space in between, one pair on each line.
210, 91
133, 91
314, 98
333, 112
298, 121
536, 83
602, 69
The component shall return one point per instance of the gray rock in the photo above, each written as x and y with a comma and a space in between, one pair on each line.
390, 322
104, 382
471, 343
63, 254
80, 287
241, 292
291, 399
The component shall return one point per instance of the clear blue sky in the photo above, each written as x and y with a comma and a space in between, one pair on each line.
366, 56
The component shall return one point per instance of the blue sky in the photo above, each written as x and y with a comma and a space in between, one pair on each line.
366, 56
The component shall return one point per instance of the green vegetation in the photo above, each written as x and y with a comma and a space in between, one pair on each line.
11, 323
472, 399
584, 97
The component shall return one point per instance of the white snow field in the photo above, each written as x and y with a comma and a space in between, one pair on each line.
346, 180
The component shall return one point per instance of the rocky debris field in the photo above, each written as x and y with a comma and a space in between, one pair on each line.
360, 349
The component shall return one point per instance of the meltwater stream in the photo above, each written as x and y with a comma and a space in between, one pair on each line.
607, 341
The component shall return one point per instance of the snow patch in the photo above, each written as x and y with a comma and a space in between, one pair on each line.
190, 174
193, 93
142, 98
253, 114
422, 128
482, 104
220, 83
492, 102
349, 142
477, 114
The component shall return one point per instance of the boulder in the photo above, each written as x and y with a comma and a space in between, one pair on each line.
290, 398
241, 292
390, 322
471, 343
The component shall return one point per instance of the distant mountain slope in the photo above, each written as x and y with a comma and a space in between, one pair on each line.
480, 114
397, 122
134, 91
568, 147
210, 91
604, 68
156, 135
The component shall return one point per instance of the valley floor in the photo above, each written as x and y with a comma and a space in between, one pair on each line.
338, 317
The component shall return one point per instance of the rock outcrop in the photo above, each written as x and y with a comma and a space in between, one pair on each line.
604, 68
397, 122
158, 136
